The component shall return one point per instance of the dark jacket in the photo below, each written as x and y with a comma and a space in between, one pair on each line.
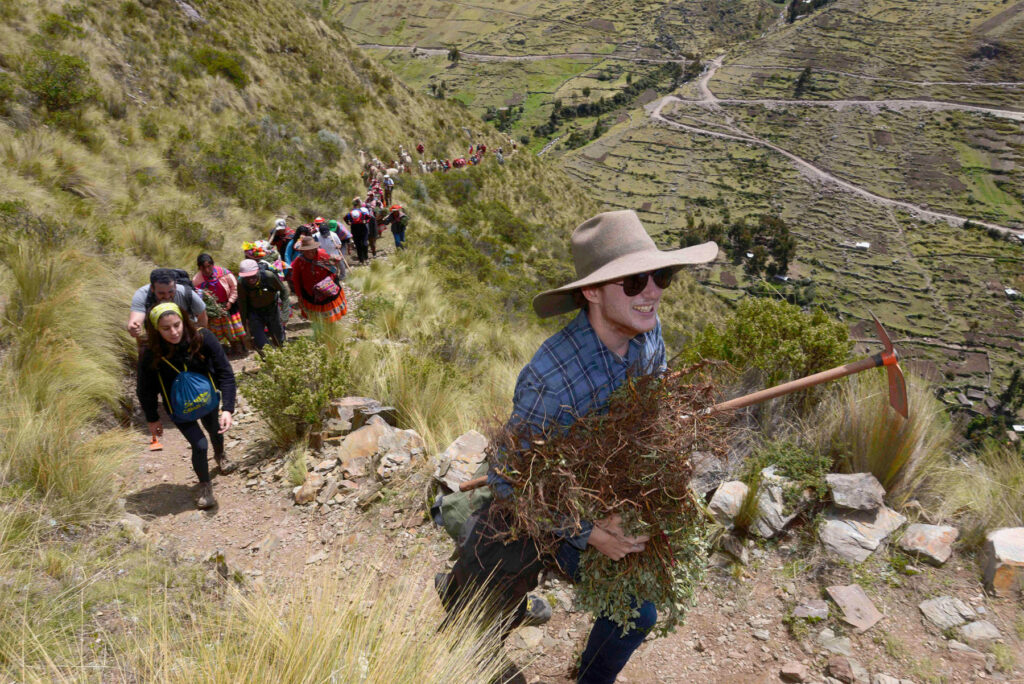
210, 359
262, 295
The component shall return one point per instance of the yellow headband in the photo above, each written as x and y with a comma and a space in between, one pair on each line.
160, 309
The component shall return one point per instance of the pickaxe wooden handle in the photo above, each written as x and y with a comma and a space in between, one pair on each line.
888, 357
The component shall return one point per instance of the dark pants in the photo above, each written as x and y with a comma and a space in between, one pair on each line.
509, 572
269, 319
398, 232
371, 235
194, 434
360, 235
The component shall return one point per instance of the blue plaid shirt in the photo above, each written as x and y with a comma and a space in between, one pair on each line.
572, 374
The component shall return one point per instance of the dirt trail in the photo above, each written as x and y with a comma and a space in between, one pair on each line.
865, 77
709, 100
484, 57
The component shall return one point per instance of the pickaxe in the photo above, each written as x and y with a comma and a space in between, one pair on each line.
888, 357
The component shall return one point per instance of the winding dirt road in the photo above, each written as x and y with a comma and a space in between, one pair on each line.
709, 100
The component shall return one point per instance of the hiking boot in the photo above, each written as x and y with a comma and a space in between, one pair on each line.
538, 611
205, 499
224, 465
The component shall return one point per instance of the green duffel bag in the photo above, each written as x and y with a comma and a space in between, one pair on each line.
453, 511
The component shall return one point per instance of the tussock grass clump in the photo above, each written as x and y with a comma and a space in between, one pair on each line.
864, 435
351, 629
61, 371
631, 461
982, 492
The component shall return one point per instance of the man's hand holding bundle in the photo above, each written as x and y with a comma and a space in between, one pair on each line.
608, 538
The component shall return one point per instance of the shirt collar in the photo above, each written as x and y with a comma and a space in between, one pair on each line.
584, 333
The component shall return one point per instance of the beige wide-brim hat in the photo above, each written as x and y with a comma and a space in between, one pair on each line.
611, 246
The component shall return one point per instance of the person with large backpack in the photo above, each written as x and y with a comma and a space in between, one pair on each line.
188, 368
165, 285
356, 221
260, 292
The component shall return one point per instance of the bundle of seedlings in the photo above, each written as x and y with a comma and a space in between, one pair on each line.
632, 460
214, 309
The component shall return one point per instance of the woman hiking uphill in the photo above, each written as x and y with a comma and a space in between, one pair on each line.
221, 284
316, 279
187, 366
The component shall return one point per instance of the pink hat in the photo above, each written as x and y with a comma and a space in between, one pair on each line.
248, 267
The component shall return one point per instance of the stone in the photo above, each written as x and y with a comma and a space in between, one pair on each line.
762, 634
1003, 561
326, 465
839, 667
961, 647
530, 637
344, 409
399, 449
317, 557
709, 471
931, 543
979, 632
859, 491
315, 480
815, 609
133, 525
460, 461
267, 544
359, 448
854, 535
884, 679
860, 673
793, 671
735, 547
303, 494
726, 502
946, 612
829, 642
772, 516
857, 609
329, 490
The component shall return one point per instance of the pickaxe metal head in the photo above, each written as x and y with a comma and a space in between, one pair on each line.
890, 359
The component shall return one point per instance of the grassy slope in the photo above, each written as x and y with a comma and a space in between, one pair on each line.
923, 280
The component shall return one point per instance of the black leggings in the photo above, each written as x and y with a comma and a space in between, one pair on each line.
194, 434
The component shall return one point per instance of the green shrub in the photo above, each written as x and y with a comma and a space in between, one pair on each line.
220, 63
61, 82
776, 338
806, 468
56, 26
294, 388
132, 10
7, 93
179, 225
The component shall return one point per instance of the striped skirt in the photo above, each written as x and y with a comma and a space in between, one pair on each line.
228, 328
331, 311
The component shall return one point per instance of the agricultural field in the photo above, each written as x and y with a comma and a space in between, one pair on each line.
533, 53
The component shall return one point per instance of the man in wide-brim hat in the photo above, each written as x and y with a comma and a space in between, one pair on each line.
620, 278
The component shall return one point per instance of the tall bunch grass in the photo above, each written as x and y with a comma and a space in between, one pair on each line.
61, 370
982, 493
862, 432
351, 629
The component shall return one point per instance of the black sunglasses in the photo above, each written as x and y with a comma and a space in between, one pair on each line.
635, 284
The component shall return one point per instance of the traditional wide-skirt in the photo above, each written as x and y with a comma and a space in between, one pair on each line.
331, 311
228, 328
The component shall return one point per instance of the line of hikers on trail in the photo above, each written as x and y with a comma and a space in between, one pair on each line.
185, 324
376, 171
